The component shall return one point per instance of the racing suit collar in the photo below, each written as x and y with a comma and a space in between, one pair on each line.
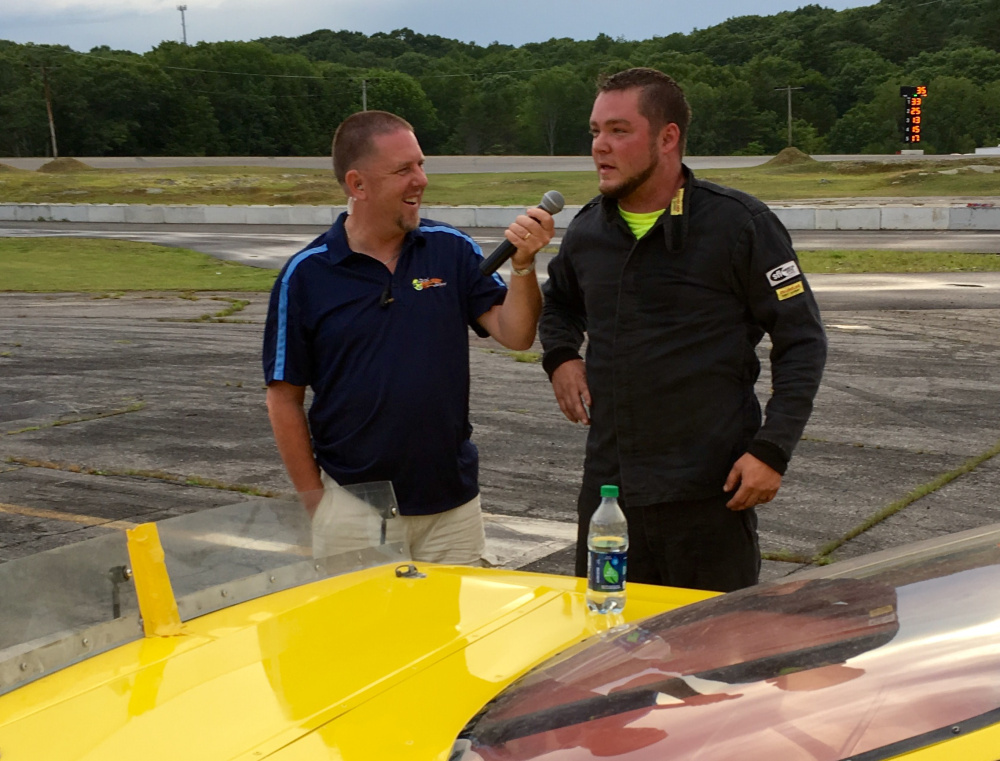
675, 226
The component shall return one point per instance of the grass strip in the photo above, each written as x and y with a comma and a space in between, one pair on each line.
528, 357
84, 265
243, 185
822, 556
787, 556
135, 407
110, 268
235, 305
868, 261
160, 475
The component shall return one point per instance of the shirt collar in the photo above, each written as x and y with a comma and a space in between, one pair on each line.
339, 248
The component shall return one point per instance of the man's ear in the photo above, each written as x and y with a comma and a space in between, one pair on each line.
670, 138
354, 184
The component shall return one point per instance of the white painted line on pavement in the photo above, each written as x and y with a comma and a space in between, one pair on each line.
514, 541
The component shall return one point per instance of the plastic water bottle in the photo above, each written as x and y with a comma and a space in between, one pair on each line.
607, 559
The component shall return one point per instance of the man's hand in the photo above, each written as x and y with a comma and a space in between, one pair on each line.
569, 382
310, 500
758, 483
529, 234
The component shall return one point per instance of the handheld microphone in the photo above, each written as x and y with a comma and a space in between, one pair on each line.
552, 202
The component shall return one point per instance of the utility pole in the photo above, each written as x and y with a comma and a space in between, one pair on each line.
184, 31
48, 106
364, 94
788, 89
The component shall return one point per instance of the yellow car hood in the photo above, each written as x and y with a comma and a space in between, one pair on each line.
368, 665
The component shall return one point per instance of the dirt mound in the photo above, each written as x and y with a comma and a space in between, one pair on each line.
789, 156
65, 165
9, 168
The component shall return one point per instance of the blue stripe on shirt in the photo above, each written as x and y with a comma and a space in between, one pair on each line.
279, 354
460, 234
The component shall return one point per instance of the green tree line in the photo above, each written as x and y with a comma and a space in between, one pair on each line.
284, 96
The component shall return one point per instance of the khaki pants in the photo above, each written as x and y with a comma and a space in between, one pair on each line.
344, 523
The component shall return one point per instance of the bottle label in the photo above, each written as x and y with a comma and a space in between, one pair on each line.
607, 571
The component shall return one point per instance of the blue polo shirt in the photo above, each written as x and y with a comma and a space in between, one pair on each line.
390, 379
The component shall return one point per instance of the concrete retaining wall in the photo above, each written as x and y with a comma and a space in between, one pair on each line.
857, 218
891, 217
800, 218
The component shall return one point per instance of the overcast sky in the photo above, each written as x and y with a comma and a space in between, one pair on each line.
142, 24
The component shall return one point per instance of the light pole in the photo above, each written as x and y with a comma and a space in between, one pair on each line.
184, 32
789, 89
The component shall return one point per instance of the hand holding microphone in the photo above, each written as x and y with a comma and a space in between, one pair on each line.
551, 203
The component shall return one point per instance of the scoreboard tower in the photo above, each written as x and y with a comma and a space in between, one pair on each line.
914, 124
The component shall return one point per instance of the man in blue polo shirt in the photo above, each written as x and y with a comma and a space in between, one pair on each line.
373, 315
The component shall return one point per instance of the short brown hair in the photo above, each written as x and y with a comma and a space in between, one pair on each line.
661, 99
353, 139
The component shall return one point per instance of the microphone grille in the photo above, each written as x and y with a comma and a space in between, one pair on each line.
553, 202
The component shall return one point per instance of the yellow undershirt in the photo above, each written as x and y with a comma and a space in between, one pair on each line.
640, 222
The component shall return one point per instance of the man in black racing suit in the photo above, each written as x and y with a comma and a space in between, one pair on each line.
674, 281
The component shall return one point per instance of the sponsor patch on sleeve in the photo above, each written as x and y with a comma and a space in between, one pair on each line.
786, 271
790, 290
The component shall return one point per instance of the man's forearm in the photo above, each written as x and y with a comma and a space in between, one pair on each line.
513, 323
291, 434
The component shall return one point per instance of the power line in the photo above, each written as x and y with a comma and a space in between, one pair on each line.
264, 96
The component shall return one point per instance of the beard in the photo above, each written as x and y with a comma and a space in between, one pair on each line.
629, 185
407, 223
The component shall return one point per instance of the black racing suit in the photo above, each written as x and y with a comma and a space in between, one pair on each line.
672, 322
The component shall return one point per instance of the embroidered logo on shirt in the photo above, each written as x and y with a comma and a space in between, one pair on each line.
786, 271
790, 290
422, 283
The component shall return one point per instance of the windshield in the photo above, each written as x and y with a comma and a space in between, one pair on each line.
873, 658
72, 602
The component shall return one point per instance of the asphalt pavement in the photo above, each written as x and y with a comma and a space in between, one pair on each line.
116, 410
